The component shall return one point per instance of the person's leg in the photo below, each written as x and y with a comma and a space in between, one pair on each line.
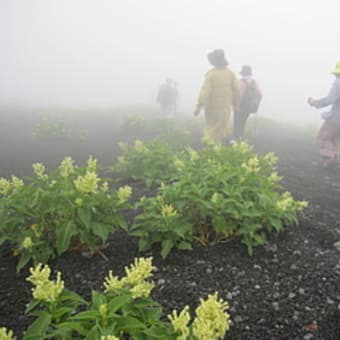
327, 136
240, 119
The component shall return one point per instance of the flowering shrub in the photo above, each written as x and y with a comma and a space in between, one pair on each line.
152, 162
69, 207
217, 192
56, 128
165, 129
124, 310
6, 334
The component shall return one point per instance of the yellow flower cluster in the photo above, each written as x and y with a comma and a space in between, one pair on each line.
17, 182
212, 320
105, 187
124, 193
78, 201
253, 165
36, 229
121, 160
242, 147
103, 310
270, 158
179, 164
301, 204
6, 334
88, 183
92, 164
274, 177
180, 323
135, 279
39, 170
27, 243
6, 186
214, 197
193, 154
140, 147
168, 210
108, 337
66, 167
285, 202
45, 289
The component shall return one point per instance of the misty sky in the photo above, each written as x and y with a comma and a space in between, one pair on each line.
112, 52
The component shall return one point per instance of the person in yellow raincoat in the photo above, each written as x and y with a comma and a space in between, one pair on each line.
220, 91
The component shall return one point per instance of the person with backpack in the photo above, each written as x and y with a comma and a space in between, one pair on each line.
167, 97
250, 98
329, 133
219, 92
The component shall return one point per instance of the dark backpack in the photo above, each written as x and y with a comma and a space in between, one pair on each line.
251, 98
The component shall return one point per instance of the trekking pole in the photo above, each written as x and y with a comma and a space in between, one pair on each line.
255, 130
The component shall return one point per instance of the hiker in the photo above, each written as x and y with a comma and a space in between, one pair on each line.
167, 97
250, 98
220, 91
329, 133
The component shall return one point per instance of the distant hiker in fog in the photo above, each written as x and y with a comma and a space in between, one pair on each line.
220, 91
329, 133
167, 97
250, 98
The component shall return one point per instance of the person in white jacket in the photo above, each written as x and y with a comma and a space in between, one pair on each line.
329, 133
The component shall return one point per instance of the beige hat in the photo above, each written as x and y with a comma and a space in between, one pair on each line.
336, 70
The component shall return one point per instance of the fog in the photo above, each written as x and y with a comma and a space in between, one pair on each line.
103, 53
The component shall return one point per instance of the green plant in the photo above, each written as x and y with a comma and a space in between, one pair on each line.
218, 192
161, 223
153, 162
124, 310
69, 208
51, 126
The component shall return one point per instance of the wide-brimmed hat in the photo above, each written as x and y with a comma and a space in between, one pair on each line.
246, 70
336, 70
217, 58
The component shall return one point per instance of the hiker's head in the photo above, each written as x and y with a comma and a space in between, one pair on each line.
217, 58
246, 71
168, 81
336, 70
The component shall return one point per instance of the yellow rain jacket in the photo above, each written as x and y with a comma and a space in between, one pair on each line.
220, 91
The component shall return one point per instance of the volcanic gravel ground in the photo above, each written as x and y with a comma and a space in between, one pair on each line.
289, 289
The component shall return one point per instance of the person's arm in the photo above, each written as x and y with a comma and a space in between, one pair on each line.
204, 95
333, 97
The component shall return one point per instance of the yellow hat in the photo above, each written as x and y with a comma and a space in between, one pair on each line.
337, 68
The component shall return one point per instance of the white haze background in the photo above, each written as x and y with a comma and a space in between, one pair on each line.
103, 53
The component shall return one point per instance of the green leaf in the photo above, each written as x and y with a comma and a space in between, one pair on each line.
144, 244
118, 302
71, 296
87, 315
166, 247
102, 230
128, 323
32, 305
98, 298
85, 217
61, 311
38, 328
73, 326
184, 245
24, 259
64, 234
